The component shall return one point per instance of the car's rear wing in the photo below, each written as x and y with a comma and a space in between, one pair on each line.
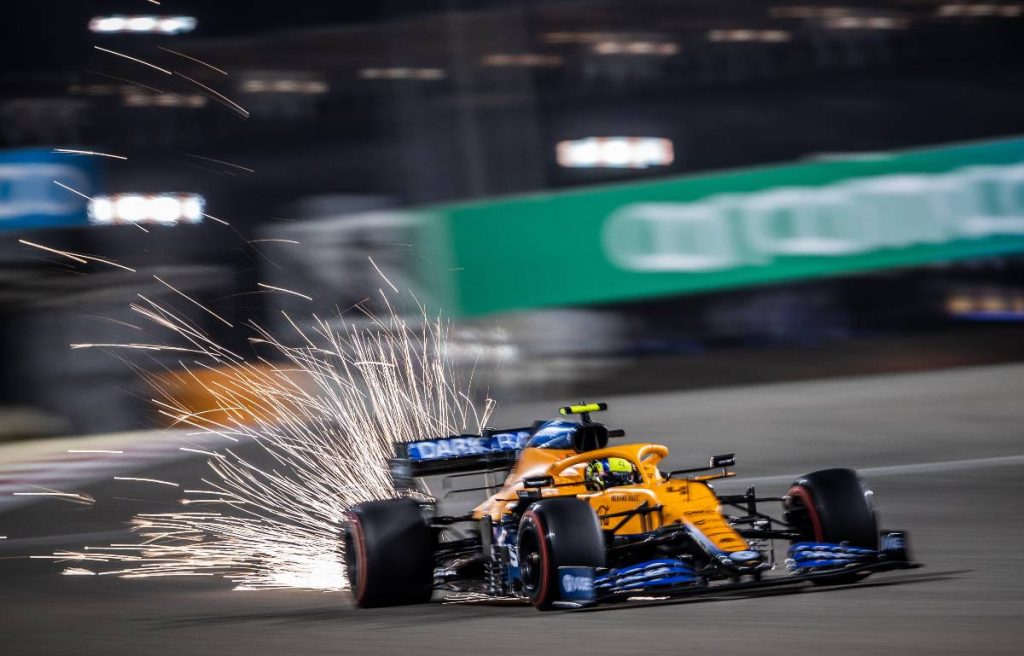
491, 449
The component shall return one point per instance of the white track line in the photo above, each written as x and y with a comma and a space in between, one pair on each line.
899, 470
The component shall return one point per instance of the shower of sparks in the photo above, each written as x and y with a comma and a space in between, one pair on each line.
377, 268
77, 571
284, 291
220, 161
213, 218
145, 480
74, 497
55, 251
72, 151
137, 347
325, 417
109, 263
218, 96
193, 301
198, 61
77, 257
74, 191
134, 59
212, 454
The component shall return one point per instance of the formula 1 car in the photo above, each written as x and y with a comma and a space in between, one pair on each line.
577, 523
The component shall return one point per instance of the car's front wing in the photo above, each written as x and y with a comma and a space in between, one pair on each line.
588, 586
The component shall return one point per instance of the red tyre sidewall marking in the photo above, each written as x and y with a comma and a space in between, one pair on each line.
361, 567
542, 540
802, 493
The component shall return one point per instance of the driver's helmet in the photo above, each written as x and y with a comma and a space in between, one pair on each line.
610, 472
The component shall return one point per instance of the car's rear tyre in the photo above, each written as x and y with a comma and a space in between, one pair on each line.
389, 554
833, 505
553, 533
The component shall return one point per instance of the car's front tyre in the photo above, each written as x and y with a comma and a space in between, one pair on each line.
833, 506
553, 533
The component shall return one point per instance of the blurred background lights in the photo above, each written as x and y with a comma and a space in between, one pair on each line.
866, 23
186, 100
522, 60
615, 152
130, 208
745, 35
284, 85
164, 208
101, 210
968, 10
402, 73
191, 207
142, 24
635, 48
848, 201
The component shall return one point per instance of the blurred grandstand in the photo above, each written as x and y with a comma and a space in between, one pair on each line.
599, 193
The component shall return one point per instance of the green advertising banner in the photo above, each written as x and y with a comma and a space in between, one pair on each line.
730, 229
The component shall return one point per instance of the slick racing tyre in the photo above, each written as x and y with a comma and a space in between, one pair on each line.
389, 554
556, 533
833, 505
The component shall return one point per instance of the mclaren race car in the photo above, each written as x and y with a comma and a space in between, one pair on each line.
577, 522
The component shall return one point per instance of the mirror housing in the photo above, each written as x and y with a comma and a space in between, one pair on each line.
538, 482
724, 460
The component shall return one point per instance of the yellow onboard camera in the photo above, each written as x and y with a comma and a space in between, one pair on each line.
583, 408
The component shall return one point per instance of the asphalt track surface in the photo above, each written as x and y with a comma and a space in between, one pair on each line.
943, 451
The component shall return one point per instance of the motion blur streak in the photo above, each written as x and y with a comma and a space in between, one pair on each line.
74, 151
325, 418
219, 96
145, 480
134, 59
198, 61
284, 291
74, 497
77, 257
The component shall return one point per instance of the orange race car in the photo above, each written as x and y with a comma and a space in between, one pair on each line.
578, 522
